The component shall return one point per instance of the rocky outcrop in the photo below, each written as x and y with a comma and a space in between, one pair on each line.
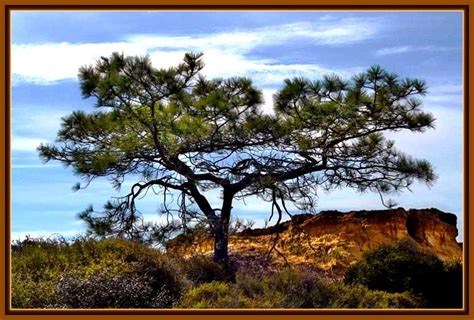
337, 239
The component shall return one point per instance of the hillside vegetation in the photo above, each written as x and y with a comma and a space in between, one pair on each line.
48, 273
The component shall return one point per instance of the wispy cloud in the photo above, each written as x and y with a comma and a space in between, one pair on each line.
446, 88
447, 95
21, 235
31, 126
49, 63
323, 32
37, 120
33, 166
19, 143
264, 72
406, 49
446, 137
225, 53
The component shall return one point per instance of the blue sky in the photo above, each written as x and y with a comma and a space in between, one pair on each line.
49, 47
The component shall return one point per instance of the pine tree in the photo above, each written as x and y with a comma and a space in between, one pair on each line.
180, 134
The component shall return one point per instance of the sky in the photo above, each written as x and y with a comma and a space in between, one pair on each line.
48, 48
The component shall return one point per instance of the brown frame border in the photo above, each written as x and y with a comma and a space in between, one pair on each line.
368, 5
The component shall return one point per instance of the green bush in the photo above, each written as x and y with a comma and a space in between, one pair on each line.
28, 293
125, 274
202, 269
215, 295
294, 288
287, 289
35, 268
194, 234
403, 267
291, 289
43, 269
358, 296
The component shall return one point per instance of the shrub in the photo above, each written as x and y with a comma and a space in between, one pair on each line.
120, 291
294, 288
202, 269
42, 269
403, 267
35, 269
194, 234
215, 295
288, 289
28, 293
358, 296
291, 289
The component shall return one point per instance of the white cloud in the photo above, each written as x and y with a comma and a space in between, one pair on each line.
225, 53
51, 66
33, 166
267, 106
445, 89
404, 49
453, 99
157, 218
323, 32
253, 205
51, 62
19, 143
446, 95
21, 235
446, 138
263, 72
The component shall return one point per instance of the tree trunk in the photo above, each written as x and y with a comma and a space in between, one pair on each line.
221, 230
221, 239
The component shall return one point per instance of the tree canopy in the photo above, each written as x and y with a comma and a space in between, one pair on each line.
179, 135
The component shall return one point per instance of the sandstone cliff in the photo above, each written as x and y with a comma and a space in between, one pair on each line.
337, 239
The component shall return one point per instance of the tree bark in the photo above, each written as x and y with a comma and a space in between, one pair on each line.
221, 229
221, 241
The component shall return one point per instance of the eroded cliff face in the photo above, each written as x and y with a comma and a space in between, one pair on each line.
337, 239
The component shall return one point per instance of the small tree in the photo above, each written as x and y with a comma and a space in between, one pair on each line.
180, 134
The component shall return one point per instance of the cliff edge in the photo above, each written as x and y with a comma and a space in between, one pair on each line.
338, 239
